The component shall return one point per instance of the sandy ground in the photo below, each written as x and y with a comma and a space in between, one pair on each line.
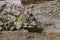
8, 35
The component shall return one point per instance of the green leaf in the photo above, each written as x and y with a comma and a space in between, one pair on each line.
17, 19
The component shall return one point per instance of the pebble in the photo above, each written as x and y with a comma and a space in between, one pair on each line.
25, 31
25, 26
29, 26
33, 23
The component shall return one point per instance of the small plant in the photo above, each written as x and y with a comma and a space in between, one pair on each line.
17, 19
3, 19
14, 20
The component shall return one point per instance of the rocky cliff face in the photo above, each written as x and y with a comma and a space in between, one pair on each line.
30, 15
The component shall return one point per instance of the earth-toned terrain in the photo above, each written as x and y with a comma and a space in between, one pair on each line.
30, 20
28, 36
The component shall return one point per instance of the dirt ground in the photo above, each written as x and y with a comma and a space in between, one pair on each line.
16, 35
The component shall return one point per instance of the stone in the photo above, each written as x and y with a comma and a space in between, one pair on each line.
25, 31
46, 13
7, 10
12, 28
0, 28
12, 17
16, 13
29, 26
18, 25
25, 24
1, 23
33, 23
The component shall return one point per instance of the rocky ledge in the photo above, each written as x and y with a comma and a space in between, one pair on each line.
33, 17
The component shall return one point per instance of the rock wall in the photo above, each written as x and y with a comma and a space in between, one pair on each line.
44, 15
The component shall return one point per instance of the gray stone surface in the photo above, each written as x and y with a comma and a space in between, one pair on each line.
46, 13
0, 28
19, 25
1, 23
